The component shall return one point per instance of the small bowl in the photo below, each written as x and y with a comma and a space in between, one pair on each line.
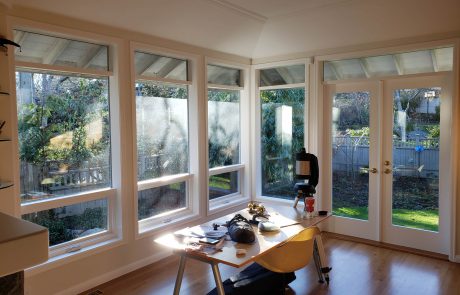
322, 213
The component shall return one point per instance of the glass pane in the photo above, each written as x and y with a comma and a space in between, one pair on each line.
64, 135
416, 135
223, 127
282, 75
72, 222
162, 129
350, 154
282, 136
154, 201
414, 62
223, 184
224, 76
49, 50
152, 65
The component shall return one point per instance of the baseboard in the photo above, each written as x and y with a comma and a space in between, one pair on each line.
86, 285
389, 246
456, 259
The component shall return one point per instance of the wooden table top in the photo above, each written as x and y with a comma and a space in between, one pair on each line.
289, 218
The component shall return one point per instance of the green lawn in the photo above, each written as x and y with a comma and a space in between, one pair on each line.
421, 219
219, 182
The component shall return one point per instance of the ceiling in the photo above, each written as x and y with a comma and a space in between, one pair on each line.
263, 28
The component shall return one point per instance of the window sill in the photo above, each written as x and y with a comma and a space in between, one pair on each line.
274, 200
217, 206
151, 227
66, 258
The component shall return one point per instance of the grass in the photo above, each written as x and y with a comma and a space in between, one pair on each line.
219, 182
352, 212
420, 219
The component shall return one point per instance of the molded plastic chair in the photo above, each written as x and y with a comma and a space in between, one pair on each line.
293, 254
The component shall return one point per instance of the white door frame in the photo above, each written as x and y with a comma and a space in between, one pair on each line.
426, 240
366, 229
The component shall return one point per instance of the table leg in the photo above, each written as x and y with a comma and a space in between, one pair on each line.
217, 278
180, 274
325, 269
317, 263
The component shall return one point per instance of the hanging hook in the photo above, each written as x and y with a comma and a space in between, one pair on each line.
4, 42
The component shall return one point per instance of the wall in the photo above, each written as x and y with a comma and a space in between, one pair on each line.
90, 268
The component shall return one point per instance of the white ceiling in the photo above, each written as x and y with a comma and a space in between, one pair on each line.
262, 28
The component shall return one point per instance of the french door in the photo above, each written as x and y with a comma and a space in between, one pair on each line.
389, 171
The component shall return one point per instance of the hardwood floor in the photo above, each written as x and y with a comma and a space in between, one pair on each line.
357, 269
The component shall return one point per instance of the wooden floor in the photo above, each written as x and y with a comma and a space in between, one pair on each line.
357, 269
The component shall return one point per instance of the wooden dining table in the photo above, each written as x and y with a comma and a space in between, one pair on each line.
290, 220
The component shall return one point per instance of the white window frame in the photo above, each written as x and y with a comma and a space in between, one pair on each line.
244, 174
150, 225
111, 194
257, 121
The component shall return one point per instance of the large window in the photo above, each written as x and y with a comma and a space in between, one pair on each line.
64, 137
162, 124
282, 112
224, 102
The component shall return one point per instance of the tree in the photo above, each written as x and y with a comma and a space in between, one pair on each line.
63, 107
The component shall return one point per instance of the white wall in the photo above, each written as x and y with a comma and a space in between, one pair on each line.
82, 272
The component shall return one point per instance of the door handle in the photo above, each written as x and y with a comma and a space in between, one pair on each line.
373, 170
387, 163
387, 171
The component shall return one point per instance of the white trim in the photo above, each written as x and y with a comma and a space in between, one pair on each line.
86, 285
169, 219
455, 158
276, 64
31, 66
226, 202
162, 181
67, 258
162, 80
226, 169
225, 87
47, 204
284, 86
80, 243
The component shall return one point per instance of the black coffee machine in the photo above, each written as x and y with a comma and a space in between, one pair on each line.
306, 169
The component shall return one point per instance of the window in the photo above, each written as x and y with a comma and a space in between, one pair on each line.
162, 126
398, 64
64, 138
224, 136
282, 131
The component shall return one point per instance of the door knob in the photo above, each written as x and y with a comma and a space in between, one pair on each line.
373, 170
387, 163
387, 171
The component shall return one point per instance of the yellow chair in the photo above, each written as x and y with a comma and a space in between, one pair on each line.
293, 254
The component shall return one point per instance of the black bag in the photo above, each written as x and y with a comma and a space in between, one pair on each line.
256, 280
240, 230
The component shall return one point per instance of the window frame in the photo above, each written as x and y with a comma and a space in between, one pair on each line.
243, 168
111, 194
150, 225
257, 121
